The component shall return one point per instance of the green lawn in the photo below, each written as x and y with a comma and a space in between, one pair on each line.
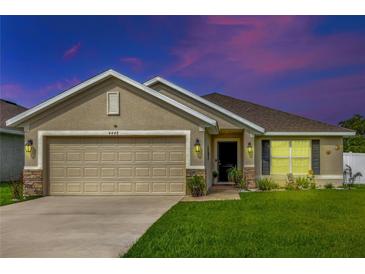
5, 195
314, 223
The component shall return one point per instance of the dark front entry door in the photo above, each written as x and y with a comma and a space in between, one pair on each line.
227, 158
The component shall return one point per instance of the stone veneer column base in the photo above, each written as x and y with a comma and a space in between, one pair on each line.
191, 172
33, 182
250, 175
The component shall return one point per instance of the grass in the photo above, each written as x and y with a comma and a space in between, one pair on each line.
313, 223
6, 197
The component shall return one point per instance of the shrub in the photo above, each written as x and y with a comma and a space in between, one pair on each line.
235, 175
291, 183
243, 184
196, 185
313, 185
266, 184
16, 188
302, 182
328, 186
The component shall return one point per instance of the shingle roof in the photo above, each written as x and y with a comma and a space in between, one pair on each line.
271, 119
8, 110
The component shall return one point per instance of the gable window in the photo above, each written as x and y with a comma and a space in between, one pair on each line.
112, 103
290, 157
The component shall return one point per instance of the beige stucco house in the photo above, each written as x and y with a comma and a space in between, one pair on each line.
111, 135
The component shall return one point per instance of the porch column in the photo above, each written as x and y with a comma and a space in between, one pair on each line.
249, 158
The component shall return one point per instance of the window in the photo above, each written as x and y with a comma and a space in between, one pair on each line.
290, 157
112, 103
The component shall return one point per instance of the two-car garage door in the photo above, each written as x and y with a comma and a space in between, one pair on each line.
116, 166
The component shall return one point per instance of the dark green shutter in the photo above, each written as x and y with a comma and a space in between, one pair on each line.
265, 157
316, 161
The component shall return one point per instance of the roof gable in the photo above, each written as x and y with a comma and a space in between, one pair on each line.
7, 110
208, 103
102, 76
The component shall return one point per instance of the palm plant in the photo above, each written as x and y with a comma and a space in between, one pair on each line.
349, 178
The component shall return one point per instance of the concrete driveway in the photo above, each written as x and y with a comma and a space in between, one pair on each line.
78, 226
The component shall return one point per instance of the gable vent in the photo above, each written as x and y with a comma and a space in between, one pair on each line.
113, 103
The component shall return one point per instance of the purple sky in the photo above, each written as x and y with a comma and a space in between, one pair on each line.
309, 65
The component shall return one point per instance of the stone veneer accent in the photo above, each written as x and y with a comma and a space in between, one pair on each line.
250, 174
33, 182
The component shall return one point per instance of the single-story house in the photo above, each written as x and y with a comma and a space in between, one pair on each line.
11, 143
112, 135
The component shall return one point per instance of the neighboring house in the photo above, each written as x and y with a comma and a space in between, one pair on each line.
111, 135
11, 143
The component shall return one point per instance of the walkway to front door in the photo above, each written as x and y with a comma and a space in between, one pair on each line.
227, 158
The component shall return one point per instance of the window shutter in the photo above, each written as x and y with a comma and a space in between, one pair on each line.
113, 103
265, 157
316, 161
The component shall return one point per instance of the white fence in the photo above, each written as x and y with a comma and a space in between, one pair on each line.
357, 162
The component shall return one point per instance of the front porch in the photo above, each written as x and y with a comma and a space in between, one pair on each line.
230, 148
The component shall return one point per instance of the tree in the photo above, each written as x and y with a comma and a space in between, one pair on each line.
357, 123
357, 142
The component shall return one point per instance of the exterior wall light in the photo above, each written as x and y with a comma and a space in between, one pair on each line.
29, 146
249, 147
197, 146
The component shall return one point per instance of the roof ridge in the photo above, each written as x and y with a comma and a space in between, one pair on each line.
276, 110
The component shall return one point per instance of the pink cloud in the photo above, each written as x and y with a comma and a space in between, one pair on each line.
134, 62
32, 96
262, 46
71, 52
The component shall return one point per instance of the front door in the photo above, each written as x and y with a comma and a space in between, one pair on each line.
227, 158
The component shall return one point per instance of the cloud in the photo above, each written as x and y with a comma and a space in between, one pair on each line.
71, 52
134, 62
266, 46
30, 96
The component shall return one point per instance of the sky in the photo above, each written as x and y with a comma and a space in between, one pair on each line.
313, 66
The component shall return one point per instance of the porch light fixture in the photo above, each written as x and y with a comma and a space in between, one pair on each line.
249, 147
29, 146
197, 146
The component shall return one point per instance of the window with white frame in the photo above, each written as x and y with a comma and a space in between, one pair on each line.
290, 157
112, 103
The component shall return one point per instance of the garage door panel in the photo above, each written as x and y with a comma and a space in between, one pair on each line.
91, 187
74, 172
91, 172
125, 156
142, 187
108, 172
74, 187
177, 188
176, 172
126, 172
125, 187
117, 166
108, 187
142, 156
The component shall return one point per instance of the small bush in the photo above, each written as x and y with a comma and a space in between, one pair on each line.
196, 185
291, 183
302, 182
266, 184
235, 175
328, 186
16, 188
313, 185
243, 184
